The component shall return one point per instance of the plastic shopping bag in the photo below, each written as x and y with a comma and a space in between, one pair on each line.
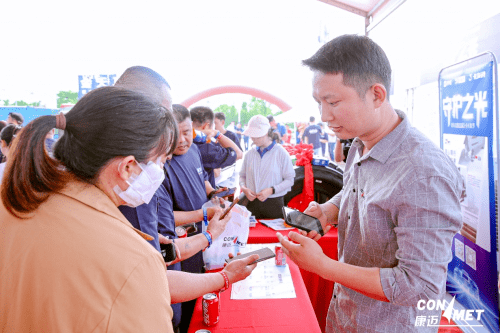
234, 236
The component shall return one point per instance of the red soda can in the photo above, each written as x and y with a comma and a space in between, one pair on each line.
280, 258
211, 309
181, 232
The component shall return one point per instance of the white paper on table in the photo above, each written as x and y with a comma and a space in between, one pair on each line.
266, 281
276, 224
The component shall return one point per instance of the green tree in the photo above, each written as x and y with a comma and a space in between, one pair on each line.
6, 102
64, 97
256, 106
230, 112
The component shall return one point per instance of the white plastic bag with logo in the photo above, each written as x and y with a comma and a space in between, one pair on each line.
234, 236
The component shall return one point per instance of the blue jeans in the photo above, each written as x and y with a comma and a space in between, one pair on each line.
331, 148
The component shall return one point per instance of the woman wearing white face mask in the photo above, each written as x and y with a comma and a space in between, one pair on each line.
69, 260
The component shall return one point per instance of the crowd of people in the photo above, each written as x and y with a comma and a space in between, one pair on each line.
82, 218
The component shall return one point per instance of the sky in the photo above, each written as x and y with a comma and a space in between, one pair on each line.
195, 45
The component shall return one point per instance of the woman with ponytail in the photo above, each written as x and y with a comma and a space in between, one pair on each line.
267, 172
69, 260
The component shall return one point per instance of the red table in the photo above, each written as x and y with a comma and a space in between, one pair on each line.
320, 290
291, 315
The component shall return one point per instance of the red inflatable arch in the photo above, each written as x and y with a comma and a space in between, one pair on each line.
237, 90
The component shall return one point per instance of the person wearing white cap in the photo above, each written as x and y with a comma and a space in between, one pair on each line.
267, 172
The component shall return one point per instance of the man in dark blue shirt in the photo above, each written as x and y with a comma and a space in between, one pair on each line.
278, 128
187, 189
214, 156
312, 135
219, 122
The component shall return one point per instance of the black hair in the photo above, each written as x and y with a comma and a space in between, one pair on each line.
17, 117
360, 60
9, 132
201, 115
220, 116
273, 135
180, 113
270, 117
106, 123
311, 119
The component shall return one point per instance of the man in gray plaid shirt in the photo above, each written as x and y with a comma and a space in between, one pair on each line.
398, 210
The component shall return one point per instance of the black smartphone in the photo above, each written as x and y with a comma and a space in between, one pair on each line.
225, 193
235, 201
168, 252
302, 221
264, 254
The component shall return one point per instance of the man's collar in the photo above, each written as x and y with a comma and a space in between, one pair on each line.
388, 144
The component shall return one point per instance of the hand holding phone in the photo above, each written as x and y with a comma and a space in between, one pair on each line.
302, 221
168, 252
225, 193
264, 254
235, 201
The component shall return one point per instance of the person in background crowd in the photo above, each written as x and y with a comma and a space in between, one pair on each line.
239, 131
227, 181
49, 140
3, 123
312, 135
399, 208
323, 139
288, 135
342, 149
7, 134
245, 138
267, 172
15, 118
332, 139
214, 155
299, 132
219, 121
277, 127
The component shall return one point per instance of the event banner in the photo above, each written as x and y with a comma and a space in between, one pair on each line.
87, 83
467, 115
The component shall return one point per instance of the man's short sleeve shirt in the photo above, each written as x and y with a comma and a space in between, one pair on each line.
185, 187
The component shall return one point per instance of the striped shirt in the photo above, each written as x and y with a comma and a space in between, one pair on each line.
399, 210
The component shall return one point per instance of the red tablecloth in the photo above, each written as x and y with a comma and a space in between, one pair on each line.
263, 315
320, 290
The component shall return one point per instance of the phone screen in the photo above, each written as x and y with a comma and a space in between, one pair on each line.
302, 221
264, 254
225, 193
